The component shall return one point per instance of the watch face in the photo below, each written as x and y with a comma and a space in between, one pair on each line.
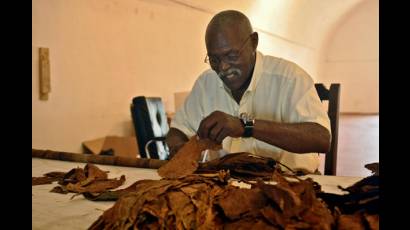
246, 118
243, 116
247, 122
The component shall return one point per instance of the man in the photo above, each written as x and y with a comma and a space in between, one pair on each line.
252, 103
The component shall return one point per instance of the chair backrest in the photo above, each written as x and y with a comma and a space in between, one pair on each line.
151, 127
333, 96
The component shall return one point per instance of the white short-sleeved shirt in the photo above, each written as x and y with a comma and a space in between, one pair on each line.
279, 91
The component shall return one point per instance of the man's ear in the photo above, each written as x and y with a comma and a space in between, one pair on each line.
255, 39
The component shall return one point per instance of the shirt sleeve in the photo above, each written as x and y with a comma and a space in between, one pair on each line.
303, 103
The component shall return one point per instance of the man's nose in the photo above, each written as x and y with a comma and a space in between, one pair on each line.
223, 66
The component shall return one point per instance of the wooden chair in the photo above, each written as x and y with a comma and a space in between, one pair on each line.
333, 96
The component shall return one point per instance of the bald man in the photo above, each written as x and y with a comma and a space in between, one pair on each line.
252, 102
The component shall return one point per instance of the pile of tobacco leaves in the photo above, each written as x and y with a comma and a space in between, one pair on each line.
193, 195
359, 208
90, 180
209, 201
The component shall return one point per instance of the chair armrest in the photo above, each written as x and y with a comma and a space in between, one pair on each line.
153, 140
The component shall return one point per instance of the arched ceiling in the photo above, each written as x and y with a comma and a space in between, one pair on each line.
302, 22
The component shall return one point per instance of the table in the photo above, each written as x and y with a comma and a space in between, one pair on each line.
59, 211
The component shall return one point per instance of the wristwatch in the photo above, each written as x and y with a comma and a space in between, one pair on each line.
248, 122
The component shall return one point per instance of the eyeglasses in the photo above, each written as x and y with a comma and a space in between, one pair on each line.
230, 58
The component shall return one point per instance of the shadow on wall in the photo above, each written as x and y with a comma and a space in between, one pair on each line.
351, 57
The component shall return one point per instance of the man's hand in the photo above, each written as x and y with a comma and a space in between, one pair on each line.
175, 140
219, 125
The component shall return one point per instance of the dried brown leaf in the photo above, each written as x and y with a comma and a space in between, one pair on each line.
56, 174
245, 166
185, 161
286, 199
183, 209
73, 176
92, 171
372, 221
42, 180
47, 178
60, 189
348, 222
97, 186
237, 202
374, 167
273, 216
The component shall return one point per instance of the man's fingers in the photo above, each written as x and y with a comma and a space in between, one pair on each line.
221, 136
216, 130
211, 126
205, 127
201, 131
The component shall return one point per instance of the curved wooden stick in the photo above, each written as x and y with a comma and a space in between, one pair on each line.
97, 159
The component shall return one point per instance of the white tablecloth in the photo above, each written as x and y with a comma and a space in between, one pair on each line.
59, 211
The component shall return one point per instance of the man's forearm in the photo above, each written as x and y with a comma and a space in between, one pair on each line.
175, 140
298, 138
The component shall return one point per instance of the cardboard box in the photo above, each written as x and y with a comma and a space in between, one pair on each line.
118, 146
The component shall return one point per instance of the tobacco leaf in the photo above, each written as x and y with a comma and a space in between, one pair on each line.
238, 202
206, 215
113, 194
318, 216
262, 224
348, 222
372, 221
56, 174
183, 209
199, 196
47, 178
248, 223
96, 186
73, 176
60, 189
42, 180
241, 165
362, 196
274, 216
92, 173
280, 179
367, 184
158, 209
90, 180
285, 198
185, 161
150, 193
374, 167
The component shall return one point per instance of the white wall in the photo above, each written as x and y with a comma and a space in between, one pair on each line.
351, 58
104, 52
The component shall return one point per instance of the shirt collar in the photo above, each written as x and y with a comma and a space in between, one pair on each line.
257, 72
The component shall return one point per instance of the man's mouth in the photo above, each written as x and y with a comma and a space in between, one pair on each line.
230, 76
